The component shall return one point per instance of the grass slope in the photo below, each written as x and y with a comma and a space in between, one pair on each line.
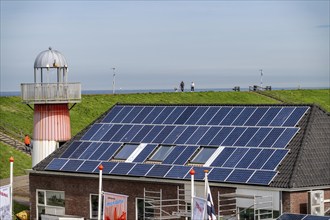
21, 161
320, 97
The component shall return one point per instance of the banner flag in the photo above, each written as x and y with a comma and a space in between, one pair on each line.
114, 206
199, 207
5, 202
209, 204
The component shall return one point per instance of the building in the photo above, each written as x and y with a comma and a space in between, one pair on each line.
263, 160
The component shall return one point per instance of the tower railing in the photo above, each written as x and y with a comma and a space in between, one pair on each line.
40, 93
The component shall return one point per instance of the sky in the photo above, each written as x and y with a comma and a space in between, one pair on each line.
158, 44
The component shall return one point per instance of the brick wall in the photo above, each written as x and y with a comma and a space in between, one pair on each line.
78, 189
296, 202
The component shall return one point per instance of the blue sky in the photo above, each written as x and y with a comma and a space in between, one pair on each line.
156, 44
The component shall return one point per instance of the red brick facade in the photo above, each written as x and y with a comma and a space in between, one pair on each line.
78, 189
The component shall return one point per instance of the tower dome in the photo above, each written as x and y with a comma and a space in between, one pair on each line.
50, 59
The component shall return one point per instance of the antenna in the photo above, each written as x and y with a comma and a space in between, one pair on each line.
261, 74
113, 80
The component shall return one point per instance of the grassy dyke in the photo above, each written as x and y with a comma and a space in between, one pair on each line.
320, 97
21, 161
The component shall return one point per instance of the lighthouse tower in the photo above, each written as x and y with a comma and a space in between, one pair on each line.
50, 95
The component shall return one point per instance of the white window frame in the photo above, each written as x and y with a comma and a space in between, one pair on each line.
45, 205
90, 206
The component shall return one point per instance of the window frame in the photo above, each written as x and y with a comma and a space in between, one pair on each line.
120, 150
198, 153
157, 151
45, 203
91, 204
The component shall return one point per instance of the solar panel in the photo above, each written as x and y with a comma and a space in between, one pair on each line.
56, 164
222, 157
174, 154
122, 168
178, 172
163, 115
163, 134
101, 132
112, 131
219, 174
158, 170
219, 116
122, 114
239, 176
209, 114
112, 114
245, 115
91, 132
145, 153
152, 115
221, 136
246, 136
285, 138
120, 133
174, 115
256, 116
198, 113
72, 165
275, 159
140, 169
152, 134
72, 147
232, 115
235, 157
262, 157
248, 158
282, 116
295, 116
132, 114
185, 135
185, 115
197, 135
88, 166
80, 149
174, 134
252, 142
262, 177
143, 114
268, 116
107, 155
185, 155
142, 133
208, 136
90, 150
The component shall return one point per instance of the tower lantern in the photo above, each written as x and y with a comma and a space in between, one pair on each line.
50, 94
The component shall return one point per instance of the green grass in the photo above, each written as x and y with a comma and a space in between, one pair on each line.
21, 161
320, 97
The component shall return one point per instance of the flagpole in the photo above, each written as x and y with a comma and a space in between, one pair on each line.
100, 193
192, 173
206, 192
11, 161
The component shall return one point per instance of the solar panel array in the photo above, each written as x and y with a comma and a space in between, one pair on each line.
237, 144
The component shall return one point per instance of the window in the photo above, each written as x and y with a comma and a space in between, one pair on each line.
203, 155
94, 202
125, 151
50, 202
162, 152
142, 209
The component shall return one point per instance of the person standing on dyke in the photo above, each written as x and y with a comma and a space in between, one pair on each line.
27, 143
182, 86
192, 87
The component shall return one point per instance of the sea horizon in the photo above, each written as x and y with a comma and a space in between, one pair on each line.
137, 91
